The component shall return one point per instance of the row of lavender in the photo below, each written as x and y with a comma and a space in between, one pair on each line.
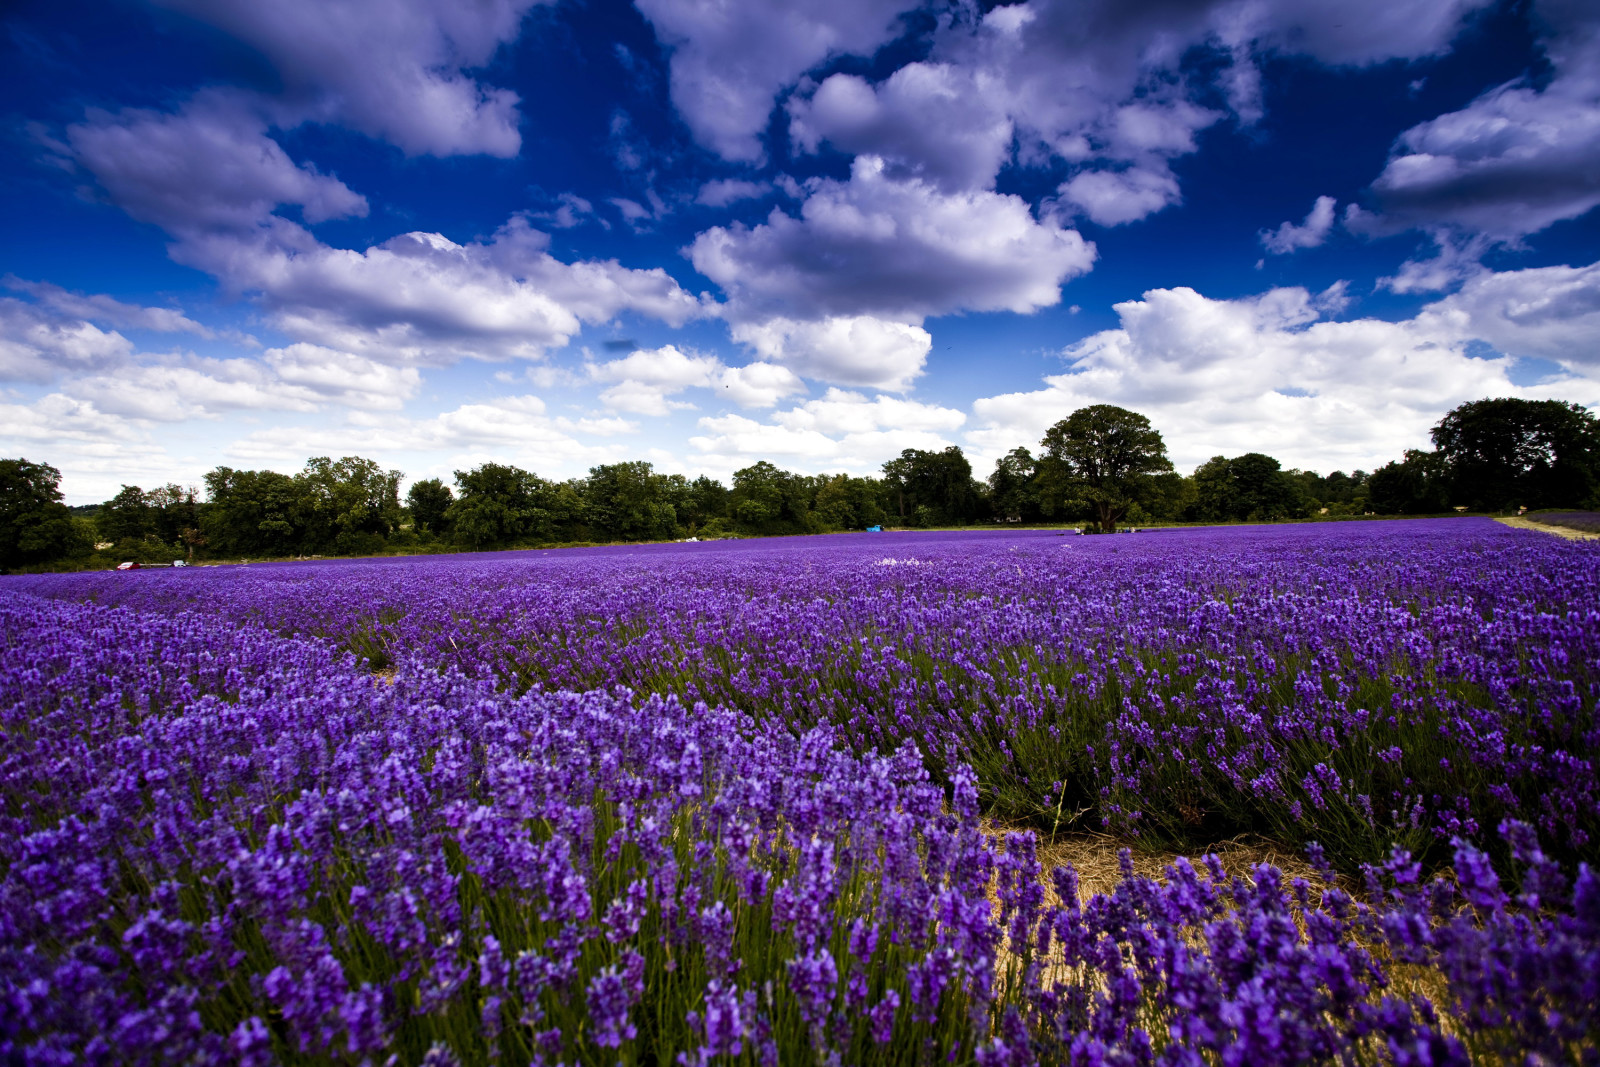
221, 845
1357, 684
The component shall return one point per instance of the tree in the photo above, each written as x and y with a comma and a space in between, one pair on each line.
1501, 454
933, 487
496, 504
125, 517
1415, 486
1011, 494
630, 502
1250, 486
429, 500
1104, 456
349, 506
253, 513
768, 500
35, 526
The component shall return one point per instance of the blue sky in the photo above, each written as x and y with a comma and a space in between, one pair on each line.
557, 234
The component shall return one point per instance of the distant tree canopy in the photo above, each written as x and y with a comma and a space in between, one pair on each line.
933, 488
1102, 463
35, 526
1508, 453
1102, 458
1248, 487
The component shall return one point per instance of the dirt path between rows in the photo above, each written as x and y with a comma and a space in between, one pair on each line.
1560, 531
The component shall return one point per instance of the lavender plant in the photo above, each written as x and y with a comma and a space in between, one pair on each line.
1361, 685
225, 845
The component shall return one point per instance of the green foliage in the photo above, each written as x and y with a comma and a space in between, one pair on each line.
1498, 455
767, 500
1104, 457
933, 488
1248, 487
1012, 496
1414, 486
631, 502
35, 526
429, 501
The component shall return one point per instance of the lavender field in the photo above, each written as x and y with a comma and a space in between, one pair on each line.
730, 802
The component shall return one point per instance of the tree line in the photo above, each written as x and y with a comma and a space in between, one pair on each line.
1102, 465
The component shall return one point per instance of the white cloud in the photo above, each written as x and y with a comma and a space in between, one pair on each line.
730, 60
571, 210
96, 452
844, 349
1456, 258
207, 168
211, 177
759, 385
1097, 83
99, 307
1263, 374
1549, 313
508, 429
421, 298
393, 70
964, 149
300, 378
645, 380
1515, 160
1308, 234
1113, 197
896, 249
840, 431
725, 191
38, 346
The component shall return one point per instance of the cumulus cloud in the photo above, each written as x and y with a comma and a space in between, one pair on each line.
1100, 84
895, 249
644, 381
964, 149
1549, 313
1309, 234
421, 298
1515, 160
1113, 197
39, 346
395, 70
211, 177
725, 191
843, 349
841, 430
730, 61
207, 168
759, 385
1274, 378
508, 429
99, 307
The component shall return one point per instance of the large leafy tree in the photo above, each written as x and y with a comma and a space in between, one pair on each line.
1011, 493
769, 500
932, 486
1505, 453
35, 526
1414, 486
497, 504
1251, 486
1106, 457
428, 500
631, 502
253, 513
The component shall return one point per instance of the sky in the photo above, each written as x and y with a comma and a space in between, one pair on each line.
557, 234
